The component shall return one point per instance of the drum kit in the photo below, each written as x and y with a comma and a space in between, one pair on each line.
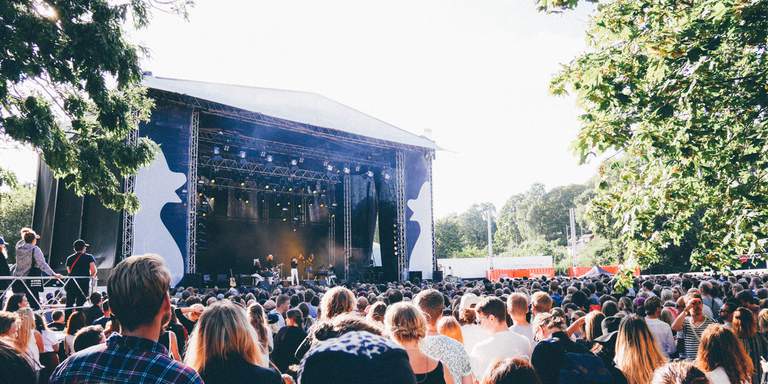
270, 275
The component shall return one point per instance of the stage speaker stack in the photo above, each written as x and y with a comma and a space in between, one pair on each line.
437, 276
414, 277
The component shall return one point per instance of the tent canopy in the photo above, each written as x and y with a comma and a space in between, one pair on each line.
596, 272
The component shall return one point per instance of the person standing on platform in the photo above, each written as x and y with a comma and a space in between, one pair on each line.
79, 264
30, 262
294, 271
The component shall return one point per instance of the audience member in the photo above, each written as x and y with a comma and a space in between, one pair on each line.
16, 302
15, 368
287, 341
722, 357
449, 326
224, 348
512, 371
89, 336
637, 354
679, 372
138, 289
517, 305
75, 322
755, 344
336, 301
57, 324
662, 332
502, 343
408, 327
690, 324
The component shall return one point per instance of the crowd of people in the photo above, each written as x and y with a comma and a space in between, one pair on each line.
665, 329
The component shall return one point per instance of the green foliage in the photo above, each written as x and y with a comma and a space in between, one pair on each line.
70, 87
679, 90
474, 227
15, 213
448, 239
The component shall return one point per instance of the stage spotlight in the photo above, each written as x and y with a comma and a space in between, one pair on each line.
262, 154
242, 184
285, 209
346, 170
226, 148
290, 189
284, 219
247, 201
357, 169
294, 162
278, 204
387, 176
213, 181
269, 158
329, 168
301, 160
266, 187
216, 150
242, 155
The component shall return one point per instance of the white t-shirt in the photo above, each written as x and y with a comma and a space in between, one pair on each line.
500, 345
662, 335
473, 334
718, 376
525, 330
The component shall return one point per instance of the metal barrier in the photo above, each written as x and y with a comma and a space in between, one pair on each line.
34, 284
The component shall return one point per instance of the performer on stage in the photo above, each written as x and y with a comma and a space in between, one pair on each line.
294, 271
270, 263
331, 275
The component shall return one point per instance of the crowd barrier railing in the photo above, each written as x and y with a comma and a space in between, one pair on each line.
37, 284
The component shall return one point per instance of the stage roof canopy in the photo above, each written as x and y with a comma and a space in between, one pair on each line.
301, 107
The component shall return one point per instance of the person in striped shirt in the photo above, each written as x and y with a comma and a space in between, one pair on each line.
692, 322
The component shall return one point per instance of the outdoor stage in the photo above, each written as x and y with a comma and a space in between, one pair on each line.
245, 172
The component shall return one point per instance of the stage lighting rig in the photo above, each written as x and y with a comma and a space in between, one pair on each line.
270, 158
346, 170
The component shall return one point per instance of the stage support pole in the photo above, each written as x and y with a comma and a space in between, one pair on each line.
129, 186
401, 248
347, 224
192, 193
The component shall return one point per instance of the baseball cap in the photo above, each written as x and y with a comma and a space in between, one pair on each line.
80, 243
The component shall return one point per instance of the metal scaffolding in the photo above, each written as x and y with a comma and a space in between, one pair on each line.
347, 224
267, 170
401, 248
192, 193
129, 186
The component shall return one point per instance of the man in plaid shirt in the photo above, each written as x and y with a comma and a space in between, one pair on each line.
138, 294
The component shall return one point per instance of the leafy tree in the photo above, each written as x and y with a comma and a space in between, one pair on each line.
448, 239
550, 217
474, 227
15, 213
678, 89
70, 87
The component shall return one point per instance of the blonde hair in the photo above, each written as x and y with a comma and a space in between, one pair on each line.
223, 330
404, 322
637, 354
762, 320
26, 328
336, 301
541, 302
549, 321
137, 288
448, 326
517, 303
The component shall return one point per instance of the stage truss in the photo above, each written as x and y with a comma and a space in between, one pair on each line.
192, 193
129, 186
401, 245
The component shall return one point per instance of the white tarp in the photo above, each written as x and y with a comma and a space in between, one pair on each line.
301, 107
476, 267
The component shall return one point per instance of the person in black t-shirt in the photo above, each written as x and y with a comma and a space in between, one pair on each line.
79, 264
287, 341
294, 271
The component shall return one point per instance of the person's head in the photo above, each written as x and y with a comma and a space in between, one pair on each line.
30, 237
593, 325
258, 319
270, 257
88, 336
540, 303
719, 347
79, 245
107, 309
16, 369
652, 307
491, 312
16, 302
26, 327
637, 354
511, 371
727, 309
138, 292
376, 312
405, 323
75, 322
357, 357
362, 304
95, 298
762, 321
431, 303
282, 303
517, 306
545, 324
610, 308
336, 301
9, 324
744, 324
449, 326
694, 301
294, 318
679, 372
58, 317
223, 331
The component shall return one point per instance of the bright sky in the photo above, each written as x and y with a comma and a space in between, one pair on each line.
474, 72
